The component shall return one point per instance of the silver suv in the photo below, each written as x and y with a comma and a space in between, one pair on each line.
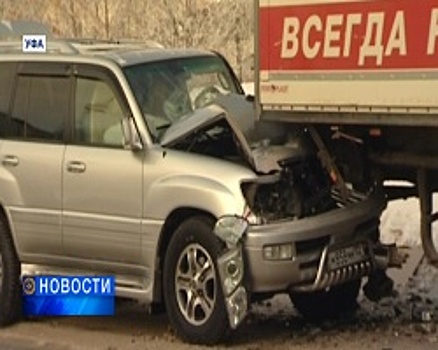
148, 164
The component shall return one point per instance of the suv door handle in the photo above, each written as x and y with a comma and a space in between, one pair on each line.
76, 167
10, 161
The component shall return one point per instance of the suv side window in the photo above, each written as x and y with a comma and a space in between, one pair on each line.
7, 73
40, 109
98, 114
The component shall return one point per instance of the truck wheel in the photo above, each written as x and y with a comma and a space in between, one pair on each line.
192, 289
10, 291
328, 304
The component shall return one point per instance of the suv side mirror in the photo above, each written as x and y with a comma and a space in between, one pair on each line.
131, 139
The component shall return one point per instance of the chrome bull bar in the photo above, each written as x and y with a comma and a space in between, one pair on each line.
379, 257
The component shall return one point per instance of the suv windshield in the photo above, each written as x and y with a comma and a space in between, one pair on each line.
168, 90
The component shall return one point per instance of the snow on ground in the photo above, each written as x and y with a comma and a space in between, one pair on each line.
400, 222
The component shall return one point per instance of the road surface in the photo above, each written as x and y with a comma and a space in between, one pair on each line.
392, 324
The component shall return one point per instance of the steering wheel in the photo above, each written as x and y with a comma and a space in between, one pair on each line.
206, 96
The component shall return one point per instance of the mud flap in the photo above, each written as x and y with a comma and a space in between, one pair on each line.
379, 284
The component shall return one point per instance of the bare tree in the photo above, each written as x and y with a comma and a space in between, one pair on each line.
222, 25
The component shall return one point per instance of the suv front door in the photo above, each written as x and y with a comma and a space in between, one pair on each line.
102, 184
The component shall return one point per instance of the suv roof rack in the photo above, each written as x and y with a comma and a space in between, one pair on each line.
84, 45
81, 46
11, 40
53, 46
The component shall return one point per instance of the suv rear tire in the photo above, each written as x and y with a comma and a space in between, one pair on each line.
328, 304
10, 290
192, 288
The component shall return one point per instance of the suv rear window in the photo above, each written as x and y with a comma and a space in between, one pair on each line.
40, 108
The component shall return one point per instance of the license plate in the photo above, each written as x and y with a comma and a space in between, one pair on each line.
346, 256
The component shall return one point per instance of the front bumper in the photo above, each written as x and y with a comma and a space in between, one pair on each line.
312, 239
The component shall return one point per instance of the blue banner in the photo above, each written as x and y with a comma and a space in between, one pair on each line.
68, 295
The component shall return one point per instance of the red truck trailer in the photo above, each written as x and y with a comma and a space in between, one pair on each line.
363, 75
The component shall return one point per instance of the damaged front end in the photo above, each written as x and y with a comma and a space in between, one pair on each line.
291, 183
291, 180
318, 228
300, 189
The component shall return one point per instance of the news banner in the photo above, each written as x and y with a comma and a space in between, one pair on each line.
68, 295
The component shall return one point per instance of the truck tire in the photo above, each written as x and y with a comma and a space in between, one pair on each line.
10, 290
192, 289
328, 304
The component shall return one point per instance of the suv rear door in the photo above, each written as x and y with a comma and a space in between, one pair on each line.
102, 185
31, 156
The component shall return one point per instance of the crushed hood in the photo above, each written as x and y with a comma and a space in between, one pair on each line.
264, 144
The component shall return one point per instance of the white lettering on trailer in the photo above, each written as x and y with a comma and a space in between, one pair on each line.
372, 45
290, 43
333, 35
352, 21
314, 22
397, 37
433, 32
336, 44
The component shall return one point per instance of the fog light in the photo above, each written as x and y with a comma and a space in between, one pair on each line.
278, 252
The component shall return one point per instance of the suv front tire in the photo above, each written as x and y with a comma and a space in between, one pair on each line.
192, 289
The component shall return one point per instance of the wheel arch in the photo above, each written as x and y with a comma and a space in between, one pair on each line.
173, 220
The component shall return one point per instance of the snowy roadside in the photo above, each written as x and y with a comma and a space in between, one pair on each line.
400, 222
